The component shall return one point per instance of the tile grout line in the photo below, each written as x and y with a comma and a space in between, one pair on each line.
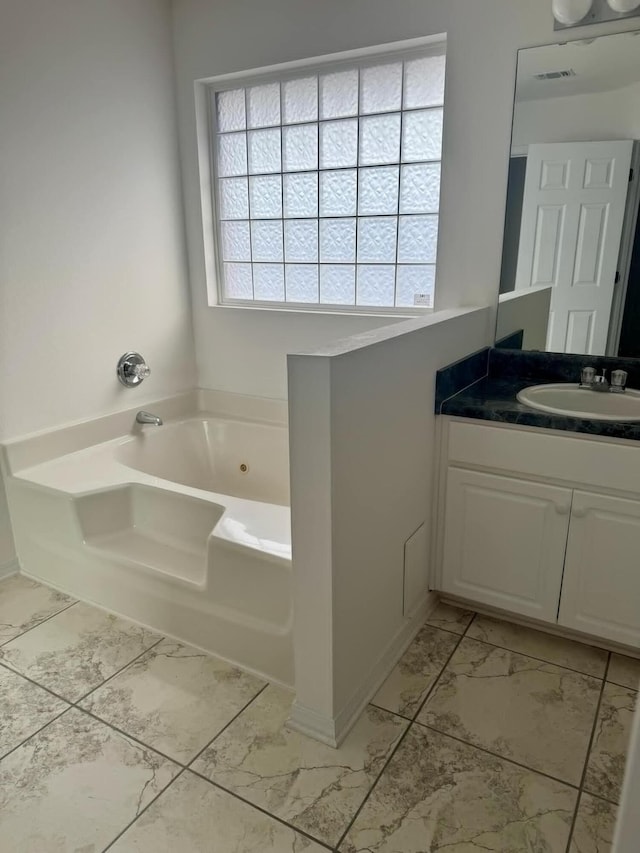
533, 657
133, 738
601, 799
35, 683
588, 755
440, 628
635, 690
33, 734
142, 811
436, 679
496, 755
197, 773
183, 767
389, 711
70, 704
490, 752
574, 820
400, 741
226, 726
445, 665
155, 749
275, 817
37, 625
117, 672
74, 703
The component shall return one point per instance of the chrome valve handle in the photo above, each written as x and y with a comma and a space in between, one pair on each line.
132, 369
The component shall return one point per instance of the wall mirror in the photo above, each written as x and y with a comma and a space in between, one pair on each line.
570, 275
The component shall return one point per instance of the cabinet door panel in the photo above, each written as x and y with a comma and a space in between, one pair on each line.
505, 541
601, 585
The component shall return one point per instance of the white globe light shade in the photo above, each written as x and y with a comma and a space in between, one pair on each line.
623, 5
570, 12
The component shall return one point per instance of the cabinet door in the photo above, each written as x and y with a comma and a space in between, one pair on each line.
505, 541
601, 585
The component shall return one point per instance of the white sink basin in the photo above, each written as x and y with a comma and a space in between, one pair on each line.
568, 399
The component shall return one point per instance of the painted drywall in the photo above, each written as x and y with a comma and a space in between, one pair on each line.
527, 310
92, 258
362, 483
7, 550
585, 118
214, 37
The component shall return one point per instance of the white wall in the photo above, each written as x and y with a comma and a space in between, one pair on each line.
362, 433
585, 118
92, 259
7, 550
527, 310
216, 36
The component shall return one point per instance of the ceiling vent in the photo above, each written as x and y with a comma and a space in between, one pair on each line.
555, 75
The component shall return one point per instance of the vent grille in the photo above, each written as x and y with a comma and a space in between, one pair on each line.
555, 75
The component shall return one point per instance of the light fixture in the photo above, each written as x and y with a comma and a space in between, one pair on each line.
570, 12
623, 6
578, 13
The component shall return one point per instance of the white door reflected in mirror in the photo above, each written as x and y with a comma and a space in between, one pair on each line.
572, 215
571, 222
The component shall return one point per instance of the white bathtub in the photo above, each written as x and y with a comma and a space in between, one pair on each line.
230, 457
184, 528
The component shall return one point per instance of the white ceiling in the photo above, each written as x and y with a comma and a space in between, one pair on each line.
601, 65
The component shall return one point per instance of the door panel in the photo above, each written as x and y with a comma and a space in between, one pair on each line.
572, 217
549, 229
580, 331
504, 542
591, 235
601, 585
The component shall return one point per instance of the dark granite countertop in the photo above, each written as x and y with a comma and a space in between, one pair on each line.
493, 398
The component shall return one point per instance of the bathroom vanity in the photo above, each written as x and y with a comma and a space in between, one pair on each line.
539, 487
539, 514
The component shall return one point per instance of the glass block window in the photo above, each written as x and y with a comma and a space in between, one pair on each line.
328, 185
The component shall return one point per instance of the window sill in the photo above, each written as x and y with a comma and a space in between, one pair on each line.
339, 310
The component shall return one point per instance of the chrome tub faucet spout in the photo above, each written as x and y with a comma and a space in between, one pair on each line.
147, 418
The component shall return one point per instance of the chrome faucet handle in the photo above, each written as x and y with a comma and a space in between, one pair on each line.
618, 381
132, 369
587, 376
141, 371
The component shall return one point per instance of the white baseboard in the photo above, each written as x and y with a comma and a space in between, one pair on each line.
333, 730
317, 726
10, 568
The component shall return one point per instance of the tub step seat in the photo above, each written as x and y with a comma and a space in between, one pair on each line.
154, 554
155, 529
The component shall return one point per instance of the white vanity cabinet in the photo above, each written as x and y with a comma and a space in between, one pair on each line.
542, 524
505, 541
601, 582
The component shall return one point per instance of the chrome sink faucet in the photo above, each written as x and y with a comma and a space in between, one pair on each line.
588, 379
147, 418
600, 383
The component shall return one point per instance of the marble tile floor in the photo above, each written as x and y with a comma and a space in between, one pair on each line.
486, 736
